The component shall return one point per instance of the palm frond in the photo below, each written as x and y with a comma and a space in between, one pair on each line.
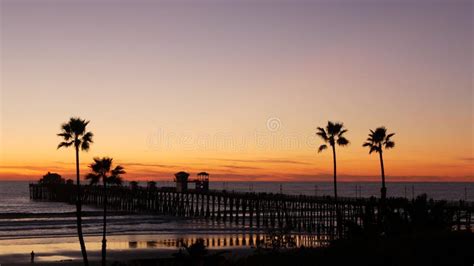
367, 144
107, 163
115, 180
322, 133
381, 130
85, 146
333, 128
373, 148
389, 136
66, 128
379, 138
322, 148
379, 134
65, 144
67, 136
88, 137
342, 141
101, 166
389, 144
342, 132
86, 141
93, 178
337, 128
330, 127
118, 170
78, 125
96, 167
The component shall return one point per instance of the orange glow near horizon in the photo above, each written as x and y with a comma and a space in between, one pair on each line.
275, 156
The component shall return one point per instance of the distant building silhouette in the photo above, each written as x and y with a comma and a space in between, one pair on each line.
202, 183
181, 179
52, 178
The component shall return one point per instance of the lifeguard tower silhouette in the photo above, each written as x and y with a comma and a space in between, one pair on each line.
182, 180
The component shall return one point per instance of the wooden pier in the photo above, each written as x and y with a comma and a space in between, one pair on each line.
310, 214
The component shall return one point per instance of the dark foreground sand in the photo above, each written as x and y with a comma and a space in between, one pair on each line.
74, 258
416, 249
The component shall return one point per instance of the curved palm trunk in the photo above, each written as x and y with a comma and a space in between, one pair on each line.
335, 178
78, 211
104, 230
383, 190
338, 216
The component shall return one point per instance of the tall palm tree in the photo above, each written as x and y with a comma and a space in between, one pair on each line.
102, 172
377, 141
74, 134
334, 135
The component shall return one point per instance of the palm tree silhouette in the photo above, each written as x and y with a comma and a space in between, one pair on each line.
151, 185
74, 134
334, 135
133, 185
378, 140
101, 171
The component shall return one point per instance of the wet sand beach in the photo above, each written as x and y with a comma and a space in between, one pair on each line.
140, 252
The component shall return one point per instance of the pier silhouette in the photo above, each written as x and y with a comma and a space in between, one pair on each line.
310, 214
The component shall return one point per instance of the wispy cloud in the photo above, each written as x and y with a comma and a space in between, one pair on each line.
148, 165
241, 167
31, 167
273, 161
467, 159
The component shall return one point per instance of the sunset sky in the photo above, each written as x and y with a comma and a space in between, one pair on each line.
237, 88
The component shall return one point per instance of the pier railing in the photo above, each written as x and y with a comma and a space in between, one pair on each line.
311, 214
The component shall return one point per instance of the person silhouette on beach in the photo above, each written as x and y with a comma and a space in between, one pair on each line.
32, 256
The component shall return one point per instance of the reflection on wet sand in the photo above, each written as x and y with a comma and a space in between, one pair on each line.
68, 247
224, 241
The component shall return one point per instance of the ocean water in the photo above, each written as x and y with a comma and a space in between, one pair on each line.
27, 224
49, 228
451, 191
22, 218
